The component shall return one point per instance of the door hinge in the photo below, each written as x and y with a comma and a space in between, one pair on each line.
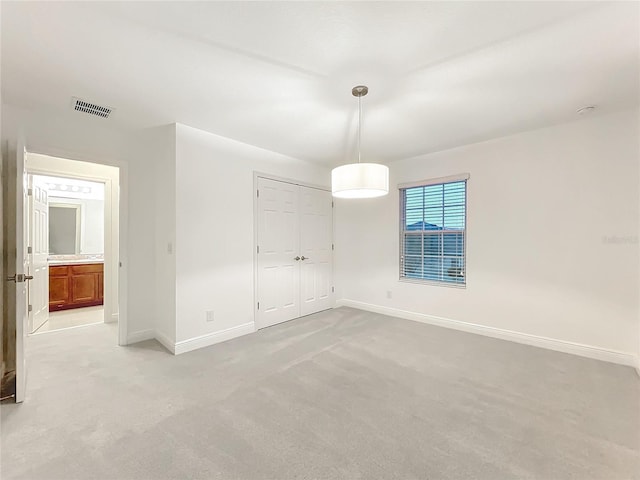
333, 289
332, 204
29, 191
258, 193
29, 250
258, 249
258, 305
333, 247
30, 308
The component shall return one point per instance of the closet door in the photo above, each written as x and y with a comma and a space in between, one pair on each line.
278, 273
316, 237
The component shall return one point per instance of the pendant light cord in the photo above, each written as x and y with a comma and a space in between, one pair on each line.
359, 125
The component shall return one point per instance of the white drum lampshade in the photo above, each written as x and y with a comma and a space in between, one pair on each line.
360, 180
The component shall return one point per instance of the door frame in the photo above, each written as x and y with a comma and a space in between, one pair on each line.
115, 224
21, 313
6, 318
268, 176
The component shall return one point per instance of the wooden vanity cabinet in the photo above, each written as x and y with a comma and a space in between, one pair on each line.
75, 286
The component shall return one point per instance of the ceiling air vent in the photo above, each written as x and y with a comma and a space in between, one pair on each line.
90, 108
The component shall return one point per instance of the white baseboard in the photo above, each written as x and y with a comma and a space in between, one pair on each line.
213, 338
114, 318
184, 346
140, 336
589, 351
165, 342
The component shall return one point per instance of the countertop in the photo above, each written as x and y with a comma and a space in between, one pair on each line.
73, 262
74, 259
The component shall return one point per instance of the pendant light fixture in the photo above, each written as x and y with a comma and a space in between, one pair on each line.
360, 180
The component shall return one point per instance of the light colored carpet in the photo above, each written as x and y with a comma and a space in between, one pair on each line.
342, 394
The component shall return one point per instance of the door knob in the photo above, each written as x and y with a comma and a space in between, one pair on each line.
304, 258
297, 258
19, 278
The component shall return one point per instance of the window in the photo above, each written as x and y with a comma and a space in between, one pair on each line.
433, 230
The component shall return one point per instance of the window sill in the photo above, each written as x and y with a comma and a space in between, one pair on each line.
432, 283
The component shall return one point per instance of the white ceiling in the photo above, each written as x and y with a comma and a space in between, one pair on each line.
279, 75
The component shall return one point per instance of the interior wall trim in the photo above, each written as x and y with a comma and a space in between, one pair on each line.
165, 342
213, 338
597, 353
140, 336
194, 343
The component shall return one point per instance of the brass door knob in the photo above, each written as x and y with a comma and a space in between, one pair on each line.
297, 258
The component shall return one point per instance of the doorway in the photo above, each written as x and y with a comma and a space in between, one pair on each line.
72, 230
16, 262
66, 220
294, 251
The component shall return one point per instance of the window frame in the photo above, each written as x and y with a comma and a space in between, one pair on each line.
464, 177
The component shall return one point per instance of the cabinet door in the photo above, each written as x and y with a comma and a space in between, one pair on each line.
84, 288
101, 286
59, 287
58, 291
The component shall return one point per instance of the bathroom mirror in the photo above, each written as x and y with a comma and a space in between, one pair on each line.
64, 229
76, 216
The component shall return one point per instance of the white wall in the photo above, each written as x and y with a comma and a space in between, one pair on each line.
537, 262
552, 235
187, 216
165, 233
214, 226
81, 137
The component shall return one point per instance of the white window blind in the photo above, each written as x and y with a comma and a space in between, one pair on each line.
433, 231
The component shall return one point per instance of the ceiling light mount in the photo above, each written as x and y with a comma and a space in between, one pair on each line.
360, 180
586, 110
359, 91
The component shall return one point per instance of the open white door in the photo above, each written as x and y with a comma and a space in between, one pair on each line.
21, 265
38, 252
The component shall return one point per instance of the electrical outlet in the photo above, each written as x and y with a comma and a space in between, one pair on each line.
389, 294
209, 315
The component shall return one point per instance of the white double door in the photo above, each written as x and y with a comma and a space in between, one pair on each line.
294, 251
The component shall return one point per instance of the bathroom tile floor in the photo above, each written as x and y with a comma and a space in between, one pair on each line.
72, 318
